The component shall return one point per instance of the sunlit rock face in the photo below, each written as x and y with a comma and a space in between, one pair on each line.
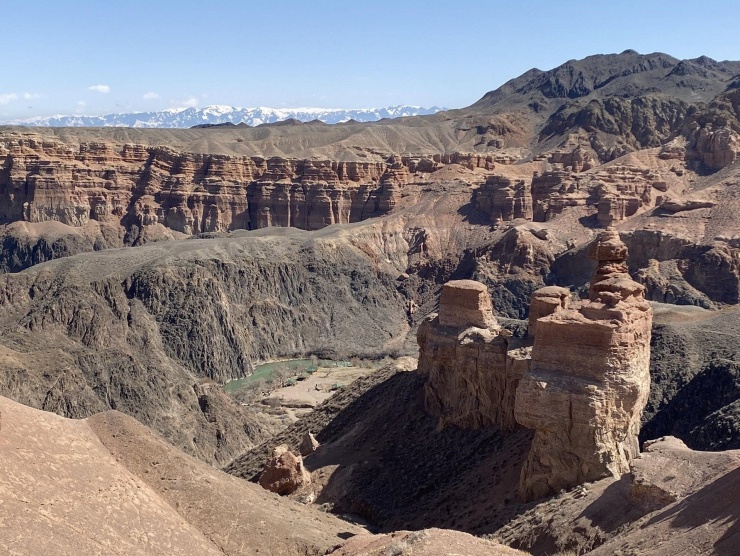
588, 380
472, 366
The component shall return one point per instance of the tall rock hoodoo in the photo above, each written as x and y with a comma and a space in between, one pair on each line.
472, 366
588, 380
463, 356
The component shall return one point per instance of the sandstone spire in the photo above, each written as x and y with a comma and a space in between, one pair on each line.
588, 381
546, 301
463, 357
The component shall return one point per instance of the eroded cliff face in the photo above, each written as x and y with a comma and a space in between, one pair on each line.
472, 366
138, 186
463, 357
505, 199
588, 381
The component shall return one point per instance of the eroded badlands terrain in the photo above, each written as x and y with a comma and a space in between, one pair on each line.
595, 206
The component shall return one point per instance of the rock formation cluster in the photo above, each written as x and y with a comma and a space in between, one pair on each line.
588, 381
580, 381
463, 356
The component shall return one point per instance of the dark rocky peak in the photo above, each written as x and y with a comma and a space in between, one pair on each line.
491, 98
626, 75
578, 78
734, 84
206, 126
282, 123
702, 66
706, 62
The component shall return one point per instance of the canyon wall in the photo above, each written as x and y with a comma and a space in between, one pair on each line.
138, 186
154, 331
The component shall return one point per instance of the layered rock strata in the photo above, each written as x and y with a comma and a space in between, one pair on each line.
546, 301
140, 186
617, 192
505, 199
588, 380
463, 357
471, 365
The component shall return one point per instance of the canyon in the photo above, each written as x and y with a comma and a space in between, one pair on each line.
551, 274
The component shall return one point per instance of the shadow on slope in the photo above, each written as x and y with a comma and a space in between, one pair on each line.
708, 398
383, 458
706, 522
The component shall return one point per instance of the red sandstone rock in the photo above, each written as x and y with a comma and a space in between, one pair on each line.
589, 381
546, 301
284, 473
470, 376
466, 303
504, 199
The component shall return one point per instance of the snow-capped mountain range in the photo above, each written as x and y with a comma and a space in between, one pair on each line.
189, 117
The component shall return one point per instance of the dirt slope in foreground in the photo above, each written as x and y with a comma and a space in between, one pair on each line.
108, 485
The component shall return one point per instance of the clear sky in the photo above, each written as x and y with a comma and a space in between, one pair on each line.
95, 57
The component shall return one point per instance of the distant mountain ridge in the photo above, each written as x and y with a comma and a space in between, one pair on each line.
219, 114
625, 75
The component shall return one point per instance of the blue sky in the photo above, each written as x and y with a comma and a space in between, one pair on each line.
94, 57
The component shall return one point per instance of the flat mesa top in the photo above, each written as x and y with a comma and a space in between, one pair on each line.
466, 303
466, 285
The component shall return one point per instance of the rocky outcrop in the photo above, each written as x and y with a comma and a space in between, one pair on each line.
284, 473
427, 542
621, 125
465, 304
471, 366
309, 444
546, 301
463, 357
588, 382
578, 159
616, 192
554, 190
717, 148
514, 267
680, 205
505, 199
716, 271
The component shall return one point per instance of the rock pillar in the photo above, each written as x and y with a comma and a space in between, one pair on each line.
463, 355
546, 301
588, 380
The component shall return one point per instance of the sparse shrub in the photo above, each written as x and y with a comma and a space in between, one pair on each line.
398, 548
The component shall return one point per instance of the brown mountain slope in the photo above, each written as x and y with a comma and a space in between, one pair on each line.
706, 522
153, 332
381, 456
108, 486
